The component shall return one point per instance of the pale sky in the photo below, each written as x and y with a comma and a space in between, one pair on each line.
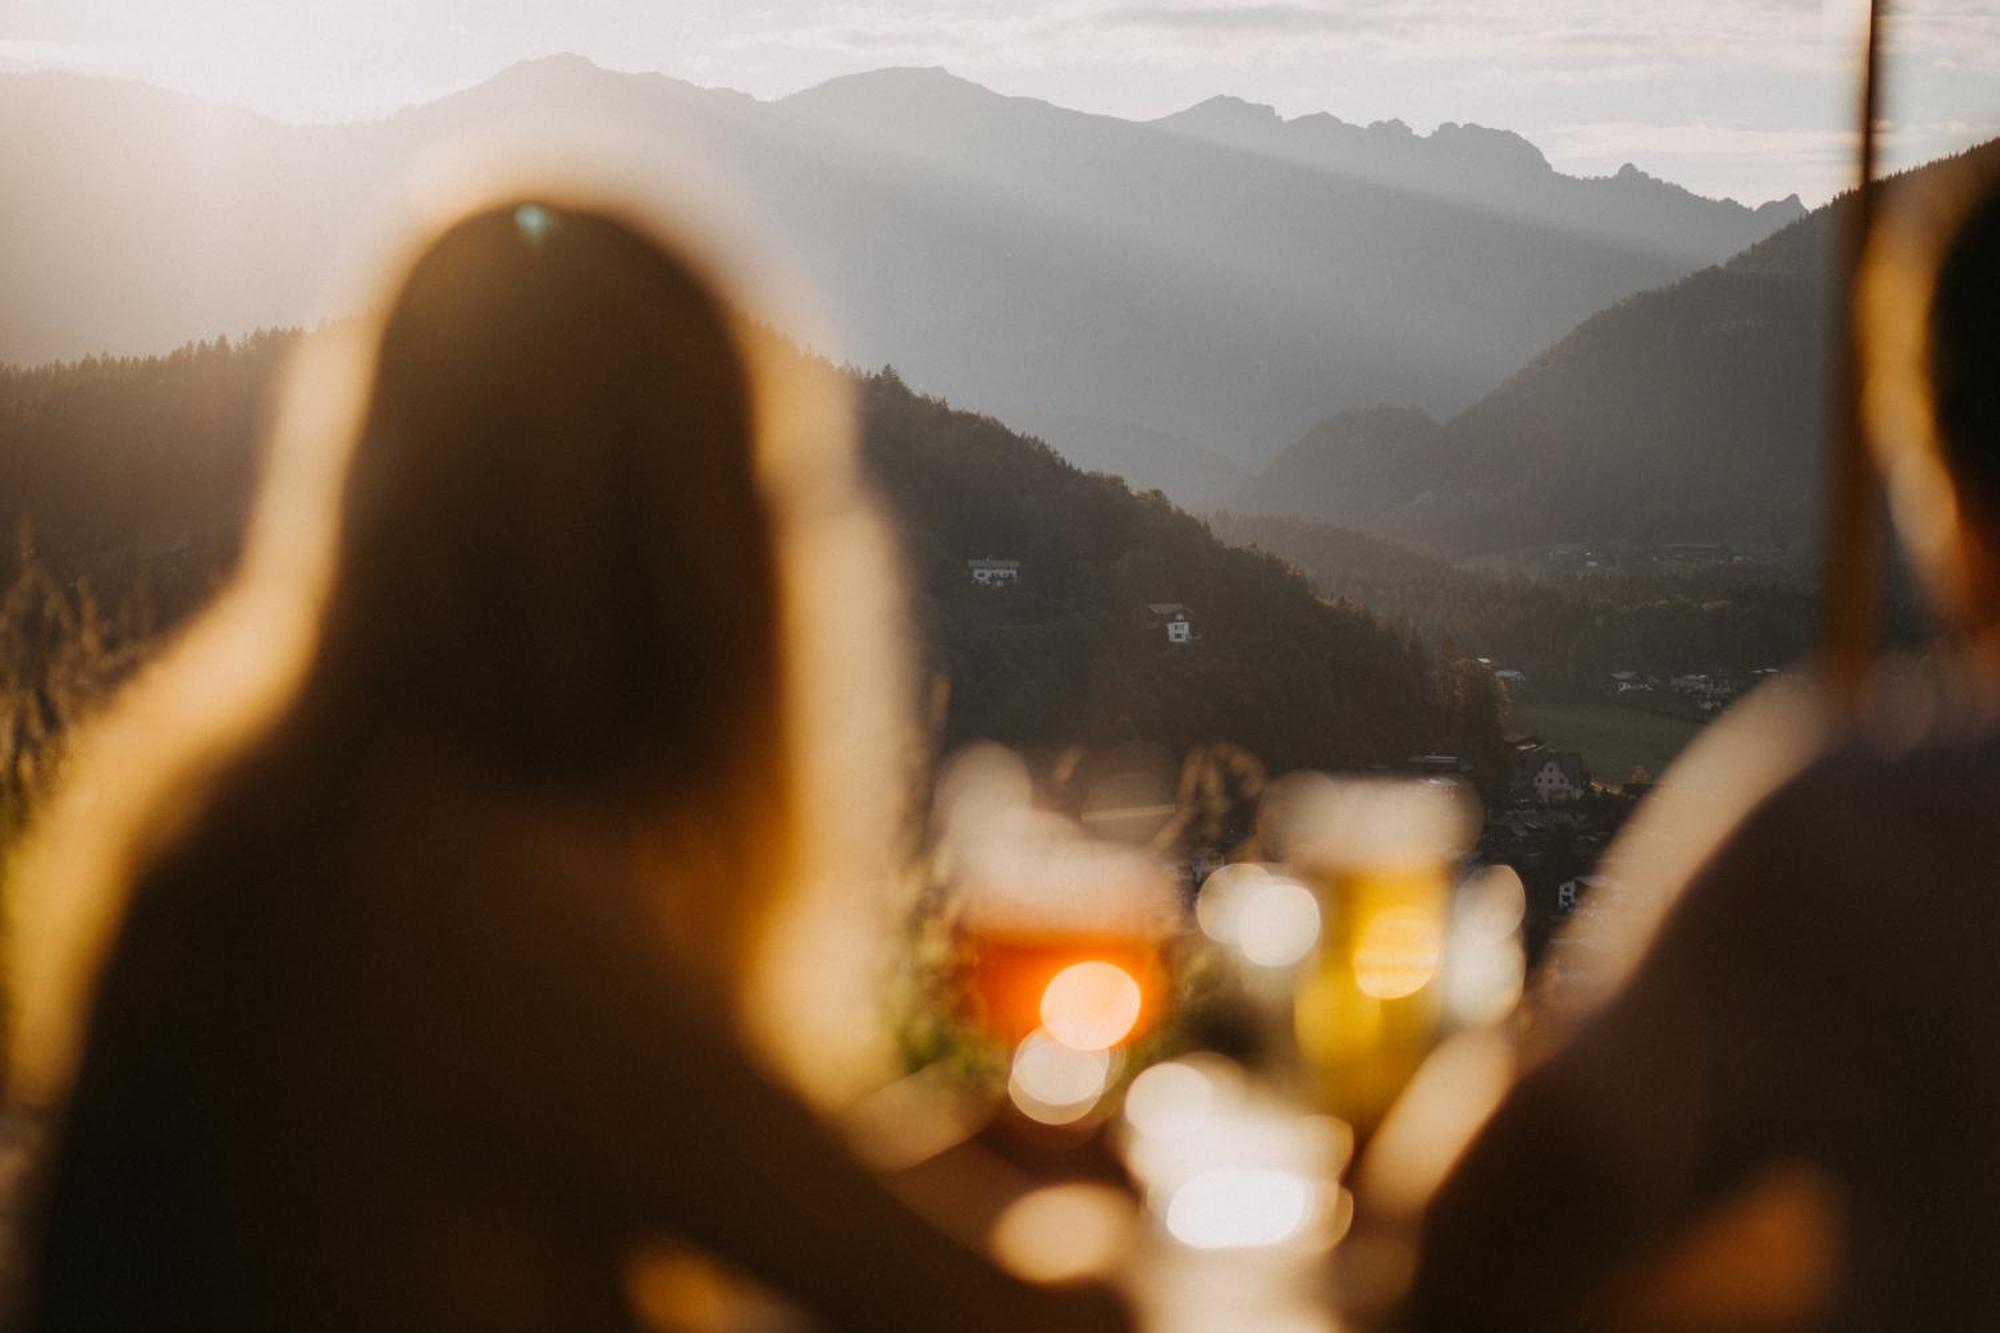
1748, 98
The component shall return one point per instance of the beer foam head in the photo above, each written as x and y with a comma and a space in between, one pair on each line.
1319, 822
1032, 871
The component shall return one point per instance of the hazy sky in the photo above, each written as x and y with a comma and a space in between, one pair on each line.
1741, 97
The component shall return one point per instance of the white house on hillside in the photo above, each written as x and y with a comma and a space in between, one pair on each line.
1176, 619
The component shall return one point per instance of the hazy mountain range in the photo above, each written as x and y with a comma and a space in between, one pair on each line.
1494, 171
1172, 300
1694, 412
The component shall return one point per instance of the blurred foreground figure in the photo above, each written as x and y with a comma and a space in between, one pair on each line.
426, 878
1820, 1006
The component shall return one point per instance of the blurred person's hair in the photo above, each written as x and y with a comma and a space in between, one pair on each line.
1930, 340
1965, 354
557, 515
553, 557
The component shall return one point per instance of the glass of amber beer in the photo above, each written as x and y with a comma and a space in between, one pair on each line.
1064, 937
1382, 856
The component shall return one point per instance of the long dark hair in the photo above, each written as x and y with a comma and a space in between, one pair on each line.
553, 556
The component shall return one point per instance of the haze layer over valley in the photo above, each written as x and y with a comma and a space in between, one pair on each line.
1173, 300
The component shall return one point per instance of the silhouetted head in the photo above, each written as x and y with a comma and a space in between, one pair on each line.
553, 558
1965, 358
1928, 305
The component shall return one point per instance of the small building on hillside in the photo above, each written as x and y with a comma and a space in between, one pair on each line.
1438, 765
1572, 894
1525, 754
1176, 619
991, 573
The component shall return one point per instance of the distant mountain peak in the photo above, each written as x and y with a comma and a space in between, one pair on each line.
932, 75
1223, 109
898, 80
1772, 215
561, 68
1503, 148
567, 80
555, 61
1380, 145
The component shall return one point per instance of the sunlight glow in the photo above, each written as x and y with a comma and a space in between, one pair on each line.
1485, 969
1445, 1104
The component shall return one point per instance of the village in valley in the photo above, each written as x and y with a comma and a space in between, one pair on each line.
1558, 810
1563, 808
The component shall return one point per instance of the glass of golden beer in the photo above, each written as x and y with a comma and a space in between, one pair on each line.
1382, 857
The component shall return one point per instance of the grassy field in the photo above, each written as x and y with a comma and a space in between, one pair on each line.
1612, 739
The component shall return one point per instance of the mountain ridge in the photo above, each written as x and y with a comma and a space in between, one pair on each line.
1028, 260
1496, 167
1693, 412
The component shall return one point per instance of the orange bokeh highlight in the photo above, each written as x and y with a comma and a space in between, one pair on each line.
1091, 991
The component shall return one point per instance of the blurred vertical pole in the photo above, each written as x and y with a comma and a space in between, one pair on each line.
1854, 532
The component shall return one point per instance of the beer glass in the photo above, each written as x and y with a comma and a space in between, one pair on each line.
1382, 857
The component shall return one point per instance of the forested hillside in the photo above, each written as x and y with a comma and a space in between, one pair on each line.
137, 474
1354, 468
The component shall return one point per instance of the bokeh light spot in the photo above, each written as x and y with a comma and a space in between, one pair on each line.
1056, 1084
1091, 1006
1170, 1099
1064, 1232
1278, 923
1396, 953
1219, 907
1239, 1209
535, 223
